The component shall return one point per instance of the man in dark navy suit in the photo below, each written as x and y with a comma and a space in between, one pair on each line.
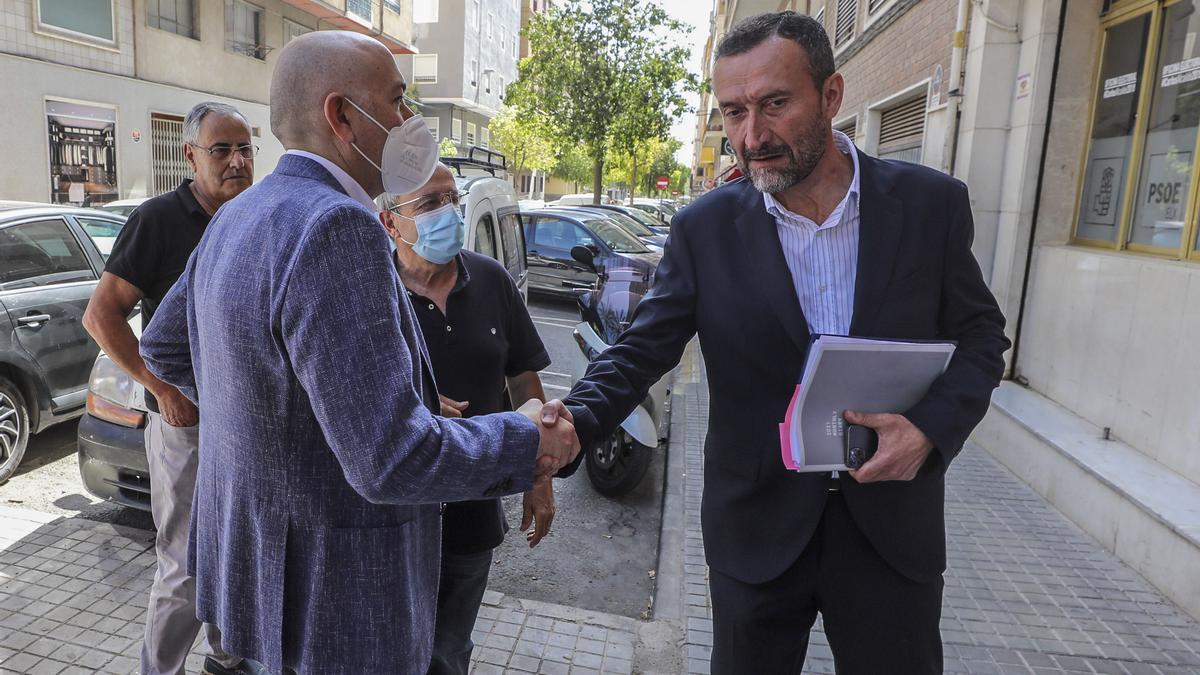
818, 238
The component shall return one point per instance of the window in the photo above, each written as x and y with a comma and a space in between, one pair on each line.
83, 153
491, 22
393, 5
487, 82
848, 126
359, 9
40, 253
847, 13
433, 123
1169, 139
168, 166
513, 238
244, 29
485, 237
103, 233
174, 16
470, 133
292, 29
902, 131
560, 234
500, 88
820, 15
485, 136
474, 72
475, 14
425, 11
88, 19
456, 130
425, 67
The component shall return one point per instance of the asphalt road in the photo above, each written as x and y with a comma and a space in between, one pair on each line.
601, 554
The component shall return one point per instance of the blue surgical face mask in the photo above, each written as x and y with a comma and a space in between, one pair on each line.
440, 234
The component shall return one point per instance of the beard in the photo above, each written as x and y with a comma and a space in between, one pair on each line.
809, 148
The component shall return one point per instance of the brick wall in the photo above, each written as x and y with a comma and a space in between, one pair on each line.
892, 55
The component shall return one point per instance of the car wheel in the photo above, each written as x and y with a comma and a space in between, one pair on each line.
14, 428
617, 464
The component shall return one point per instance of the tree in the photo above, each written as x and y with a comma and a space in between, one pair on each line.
526, 140
447, 148
606, 72
573, 165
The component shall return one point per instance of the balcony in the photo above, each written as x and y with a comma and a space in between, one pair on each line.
380, 20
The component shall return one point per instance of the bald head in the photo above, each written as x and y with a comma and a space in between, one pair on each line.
317, 64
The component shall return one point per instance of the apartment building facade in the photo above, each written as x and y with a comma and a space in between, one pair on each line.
97, 89
467, 52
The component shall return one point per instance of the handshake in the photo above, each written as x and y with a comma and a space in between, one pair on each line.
558, 445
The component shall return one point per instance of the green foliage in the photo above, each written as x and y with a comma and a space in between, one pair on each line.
606, 74
573, 165
447, 148
525, 138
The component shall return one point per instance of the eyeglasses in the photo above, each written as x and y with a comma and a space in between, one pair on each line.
429, 202
223, 151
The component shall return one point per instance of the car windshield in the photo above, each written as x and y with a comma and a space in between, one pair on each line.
614, 237
633, 226
642, 218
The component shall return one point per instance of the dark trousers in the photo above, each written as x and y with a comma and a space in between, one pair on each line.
460, 592
877, 620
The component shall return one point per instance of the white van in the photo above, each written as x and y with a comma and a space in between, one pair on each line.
584, 199
491, 214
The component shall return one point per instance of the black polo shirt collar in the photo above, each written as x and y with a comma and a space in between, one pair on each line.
190, 203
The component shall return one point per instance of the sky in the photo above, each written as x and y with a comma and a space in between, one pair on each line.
696, 14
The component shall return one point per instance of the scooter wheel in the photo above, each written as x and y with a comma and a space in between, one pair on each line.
617, 464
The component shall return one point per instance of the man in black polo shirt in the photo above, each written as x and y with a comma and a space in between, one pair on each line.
147, 258
480, 339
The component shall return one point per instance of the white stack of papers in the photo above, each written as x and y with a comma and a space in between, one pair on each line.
861, 374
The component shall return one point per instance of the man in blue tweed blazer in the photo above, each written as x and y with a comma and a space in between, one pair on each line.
315, 534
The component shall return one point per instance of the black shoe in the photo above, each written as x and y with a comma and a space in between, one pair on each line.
245, 667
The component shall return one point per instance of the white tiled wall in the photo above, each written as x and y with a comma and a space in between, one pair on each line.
18, 36
1115, 337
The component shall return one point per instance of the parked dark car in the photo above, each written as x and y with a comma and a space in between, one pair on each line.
651, 238
551, 234
51, 258
639, 215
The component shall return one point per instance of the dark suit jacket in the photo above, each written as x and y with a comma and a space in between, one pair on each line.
723, 276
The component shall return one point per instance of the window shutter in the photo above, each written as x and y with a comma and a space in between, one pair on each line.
902, 126
167, 163
847, 14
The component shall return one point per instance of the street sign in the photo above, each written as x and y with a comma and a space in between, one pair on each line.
727, 148
662, 183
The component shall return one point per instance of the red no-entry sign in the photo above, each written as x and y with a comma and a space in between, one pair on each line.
662, 182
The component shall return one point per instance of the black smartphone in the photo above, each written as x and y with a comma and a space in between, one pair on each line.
861, 443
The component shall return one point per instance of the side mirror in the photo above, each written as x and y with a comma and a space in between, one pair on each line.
585, 255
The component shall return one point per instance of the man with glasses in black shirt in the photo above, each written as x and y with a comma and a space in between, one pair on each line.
481, 340
147, 258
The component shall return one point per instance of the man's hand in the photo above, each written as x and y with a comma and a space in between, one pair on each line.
902, 448
175, 409
538, 506
559, 445
452, 408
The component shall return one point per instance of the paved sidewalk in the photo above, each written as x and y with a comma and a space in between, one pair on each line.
1026, 591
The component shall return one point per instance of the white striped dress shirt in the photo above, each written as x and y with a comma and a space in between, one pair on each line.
823, 258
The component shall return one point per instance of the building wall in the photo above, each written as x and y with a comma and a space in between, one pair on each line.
458, 38
923, 34
163, 56
1107, 334
19, 34
27, 84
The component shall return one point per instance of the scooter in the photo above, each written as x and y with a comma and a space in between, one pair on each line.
618, 463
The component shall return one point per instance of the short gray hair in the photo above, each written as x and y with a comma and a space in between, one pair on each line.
387, 200
191, 123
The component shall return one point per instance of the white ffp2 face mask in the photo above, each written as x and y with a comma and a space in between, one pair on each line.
410, 154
